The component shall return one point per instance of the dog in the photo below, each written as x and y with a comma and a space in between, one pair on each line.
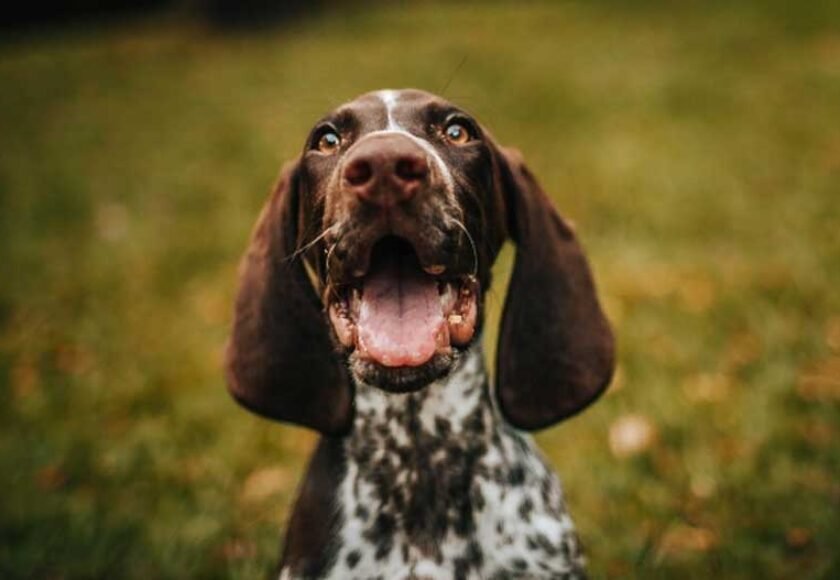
359, 313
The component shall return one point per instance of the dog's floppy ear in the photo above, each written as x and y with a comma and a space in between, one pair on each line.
556, 351
280, 359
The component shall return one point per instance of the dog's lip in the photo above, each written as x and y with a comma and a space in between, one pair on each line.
401, 380
434, 269
349, 271
341, 276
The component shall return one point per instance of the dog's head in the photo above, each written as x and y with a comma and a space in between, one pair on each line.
372, 258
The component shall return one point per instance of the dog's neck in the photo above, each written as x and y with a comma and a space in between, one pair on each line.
436, 481
456, 406
413, 458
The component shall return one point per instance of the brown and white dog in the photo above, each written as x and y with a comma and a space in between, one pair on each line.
359, 314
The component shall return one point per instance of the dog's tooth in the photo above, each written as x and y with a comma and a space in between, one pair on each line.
435, 269
358, 273
442, 339
345, 331
469, 285
447, 298
462, 324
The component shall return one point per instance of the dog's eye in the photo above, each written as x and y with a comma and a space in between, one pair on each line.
329, 142
457, 134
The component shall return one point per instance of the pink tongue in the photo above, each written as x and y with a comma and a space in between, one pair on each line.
400, 318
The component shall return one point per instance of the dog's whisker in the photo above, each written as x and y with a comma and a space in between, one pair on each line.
329, 252
472, 244
305, 247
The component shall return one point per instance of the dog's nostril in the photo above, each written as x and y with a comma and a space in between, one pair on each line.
411, 168
358, 172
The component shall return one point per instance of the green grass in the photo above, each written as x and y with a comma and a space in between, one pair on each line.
698, 151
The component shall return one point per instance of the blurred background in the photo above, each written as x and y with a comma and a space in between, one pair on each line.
697, 149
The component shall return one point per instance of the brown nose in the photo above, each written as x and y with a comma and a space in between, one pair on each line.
385, 170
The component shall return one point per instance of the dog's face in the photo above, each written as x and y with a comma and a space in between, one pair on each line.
404, 222
373, 256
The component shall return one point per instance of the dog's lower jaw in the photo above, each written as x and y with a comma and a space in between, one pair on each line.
436, 485
403, 379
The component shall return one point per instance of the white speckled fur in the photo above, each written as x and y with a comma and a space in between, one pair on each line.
542, 545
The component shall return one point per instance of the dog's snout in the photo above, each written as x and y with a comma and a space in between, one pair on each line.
359, 173
410, 168
385, 171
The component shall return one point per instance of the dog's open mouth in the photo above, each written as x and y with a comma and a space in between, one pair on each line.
402, 316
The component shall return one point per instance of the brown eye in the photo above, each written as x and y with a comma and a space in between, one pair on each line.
457, 134
329, 142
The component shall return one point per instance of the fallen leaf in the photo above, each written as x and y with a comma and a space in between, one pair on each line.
697, 293
817, 433
703, 486
798, 538
72, 359
742, 349
50, 478
630, 435
682, 539
832, 333
707, 388
821, 381
263, 483
26, 379
111, 221
238, 549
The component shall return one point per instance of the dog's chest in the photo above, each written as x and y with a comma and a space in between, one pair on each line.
437, 486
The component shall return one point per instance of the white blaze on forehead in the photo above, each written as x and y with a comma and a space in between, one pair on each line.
389, 98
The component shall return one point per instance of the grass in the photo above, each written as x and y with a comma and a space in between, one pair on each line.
697, 150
